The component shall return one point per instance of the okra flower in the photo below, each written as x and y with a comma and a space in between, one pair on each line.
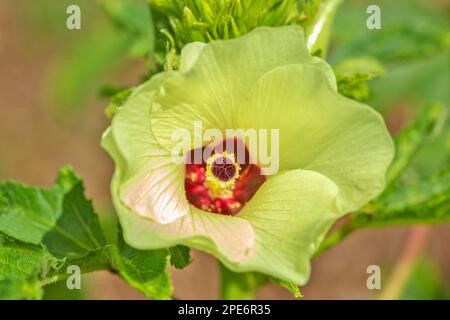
333, 154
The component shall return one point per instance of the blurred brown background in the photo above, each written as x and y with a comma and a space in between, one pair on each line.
38, 137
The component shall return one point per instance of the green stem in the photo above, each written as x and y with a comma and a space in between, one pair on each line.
355, 221
318, 33
335, 237
239, 286
63, 276
87, 264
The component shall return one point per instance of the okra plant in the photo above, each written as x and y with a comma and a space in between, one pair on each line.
243, 141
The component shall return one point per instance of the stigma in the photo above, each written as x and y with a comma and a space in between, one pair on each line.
222, 170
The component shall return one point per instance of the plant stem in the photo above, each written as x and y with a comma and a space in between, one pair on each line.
404, 267
63, 276
96, 261
336, 237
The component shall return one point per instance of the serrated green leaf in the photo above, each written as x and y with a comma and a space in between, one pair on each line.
77, 231
46, 230
409, 141
145, 270
180, 257
240, 286
72, 233
60, 218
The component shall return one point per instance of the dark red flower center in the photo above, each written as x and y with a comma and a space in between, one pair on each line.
232, 184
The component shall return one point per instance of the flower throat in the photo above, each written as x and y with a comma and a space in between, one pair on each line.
220, 184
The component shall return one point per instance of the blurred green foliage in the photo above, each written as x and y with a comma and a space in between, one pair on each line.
426, 282
111, 31
409, 30
413, 45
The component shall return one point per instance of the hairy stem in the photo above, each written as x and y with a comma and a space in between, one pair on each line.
96, 261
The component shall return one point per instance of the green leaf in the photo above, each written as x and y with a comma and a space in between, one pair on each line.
17, 262
355, 86
20, 265
61, 223
58, 291
134, 18
145, 270
427, 201
434, 155
117, 99
77, 231
44, 231
292, 287
61, 218
240, 286
352, 76
28, 213
20, 288
427, 193
409, 141
180, 257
